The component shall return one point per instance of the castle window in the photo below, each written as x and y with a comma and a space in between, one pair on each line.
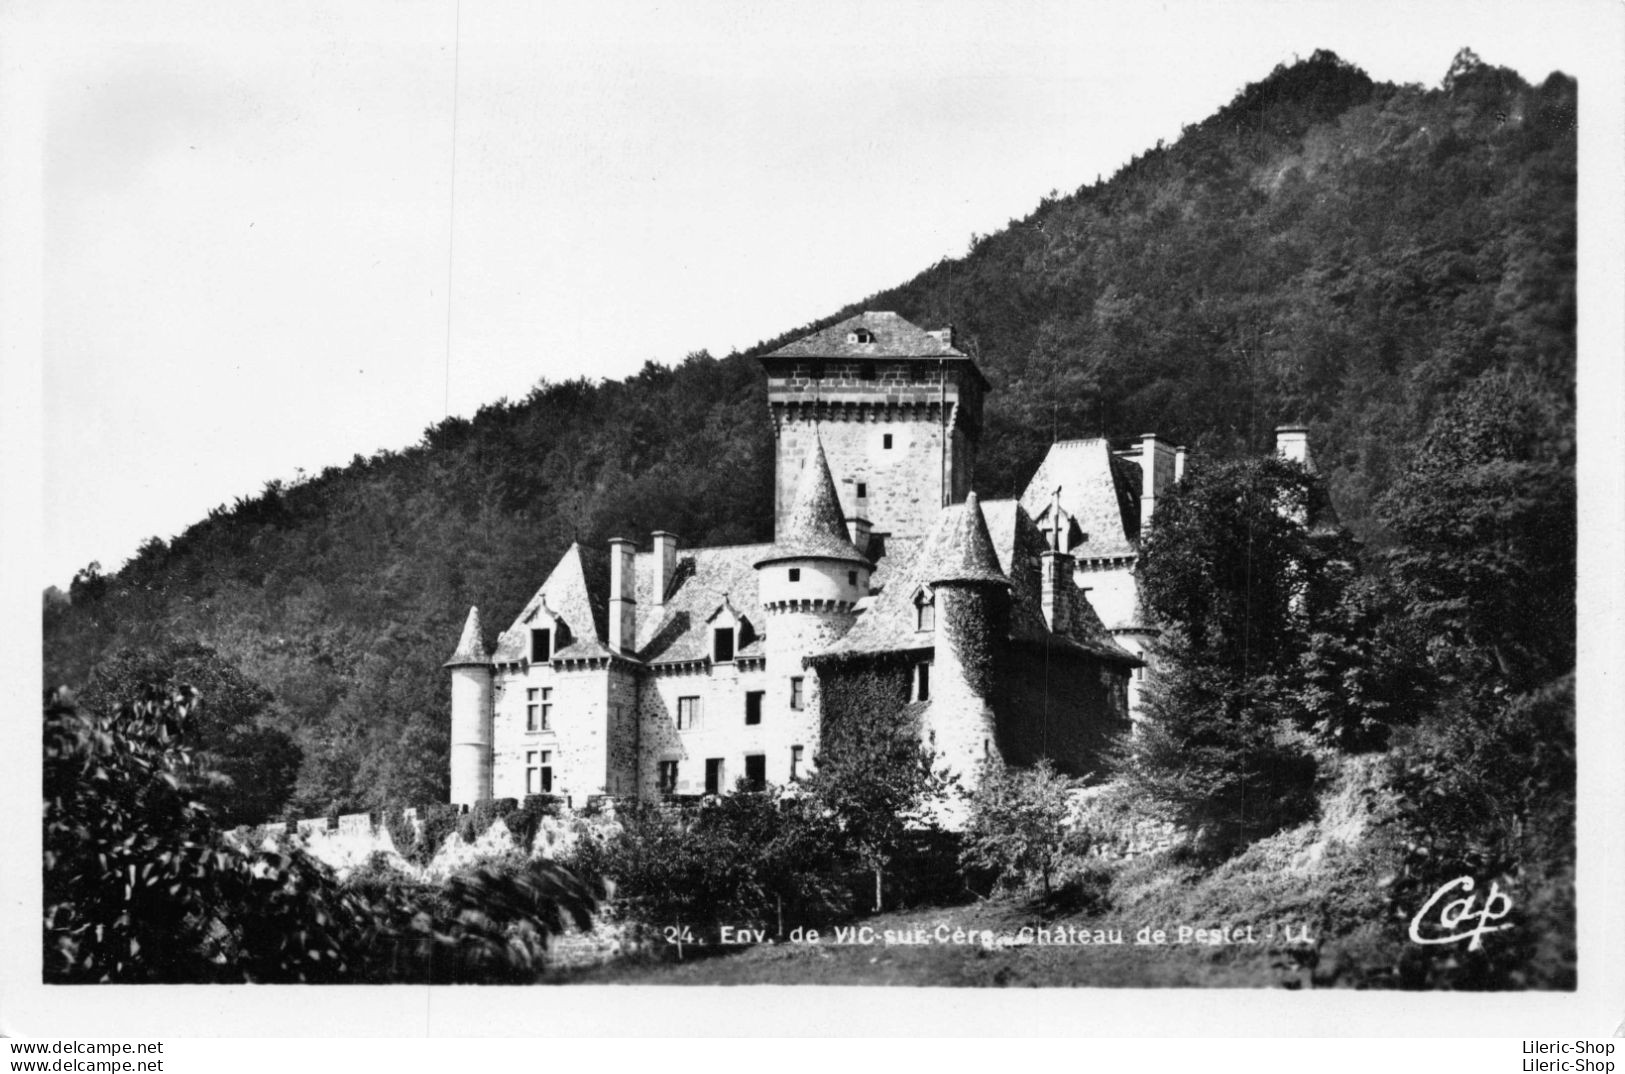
539, 772
795, 763
922, 681
541, 645
753, 707
713, 775
756, 771
722, 646
668, 777
925, 611
795, 574
885, 441
851, 577
863, 491
539, 709
688, 713
795, 693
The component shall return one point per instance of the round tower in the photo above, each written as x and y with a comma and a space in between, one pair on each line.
809, 584
470, 668
972, 597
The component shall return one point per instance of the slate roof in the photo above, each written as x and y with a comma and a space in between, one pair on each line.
471, 646
888, 625
1018, 542
680, 630
577, 593
1100, 491
1323, 518
815, 527
893, 338
965, 552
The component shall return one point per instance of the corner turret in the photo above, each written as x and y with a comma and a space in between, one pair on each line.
972, 596
470, 668
809, 584
813, 566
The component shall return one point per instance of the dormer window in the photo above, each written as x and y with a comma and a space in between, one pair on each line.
925, 611
722, 644
860, 335
541, 645
863, 490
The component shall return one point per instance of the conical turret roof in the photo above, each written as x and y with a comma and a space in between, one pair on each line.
965, 552
815, 528
471, 646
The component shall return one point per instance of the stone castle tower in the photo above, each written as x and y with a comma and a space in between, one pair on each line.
809, 585
470, 668
972, 598
896, 409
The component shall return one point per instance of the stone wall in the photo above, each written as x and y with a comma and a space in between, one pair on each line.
1060, 704
1122, 831
853, 407
577, 743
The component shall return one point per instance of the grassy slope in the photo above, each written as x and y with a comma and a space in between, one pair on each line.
1325, 876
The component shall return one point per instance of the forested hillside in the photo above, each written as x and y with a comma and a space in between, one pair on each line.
1323, 249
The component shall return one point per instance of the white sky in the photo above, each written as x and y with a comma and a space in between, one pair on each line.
249, 213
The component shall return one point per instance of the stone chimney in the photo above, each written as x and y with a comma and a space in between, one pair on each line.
1055, 592
623, 606
1157, 473
665, 566
1292, 444
858, 532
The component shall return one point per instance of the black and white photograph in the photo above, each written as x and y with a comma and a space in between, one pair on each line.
894, 500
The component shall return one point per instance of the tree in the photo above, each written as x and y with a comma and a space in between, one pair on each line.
1018, 822
1245, 569
141, 886
878, 782
1486, 515
1215, 751
743, 860
1242, 557
247, 763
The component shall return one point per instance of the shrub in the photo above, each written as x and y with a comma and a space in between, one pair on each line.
749, 859
1486, 789
526, 819
436, 822
402, 832
1018, 823
140, 886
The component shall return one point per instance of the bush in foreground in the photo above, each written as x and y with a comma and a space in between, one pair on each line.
141, 886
